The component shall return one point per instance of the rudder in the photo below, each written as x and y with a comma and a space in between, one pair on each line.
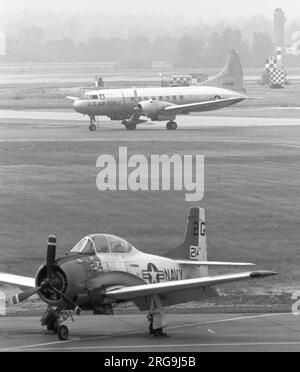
231, 77
194, 246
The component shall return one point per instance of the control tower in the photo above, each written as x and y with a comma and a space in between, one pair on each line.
279, 28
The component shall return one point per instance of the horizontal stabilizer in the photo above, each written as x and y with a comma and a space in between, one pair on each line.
212, 263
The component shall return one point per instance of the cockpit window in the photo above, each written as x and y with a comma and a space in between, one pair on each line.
119, 245
91, 96
101, 244
85, 246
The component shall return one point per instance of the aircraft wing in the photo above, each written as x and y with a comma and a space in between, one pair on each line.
146, 290
212, 263
70, 98
203, 106
20, 281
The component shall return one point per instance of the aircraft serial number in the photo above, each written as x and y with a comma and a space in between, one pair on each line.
96, 267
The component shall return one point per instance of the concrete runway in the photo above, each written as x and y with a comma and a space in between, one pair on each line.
192, 332
24, 126
187, 333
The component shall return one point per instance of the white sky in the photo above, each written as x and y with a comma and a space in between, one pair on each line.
201, 8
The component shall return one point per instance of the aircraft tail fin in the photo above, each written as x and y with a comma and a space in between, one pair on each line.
231, 77
194, 246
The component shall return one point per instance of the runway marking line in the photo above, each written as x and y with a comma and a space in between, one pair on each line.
246, 344
40, 346
228, 320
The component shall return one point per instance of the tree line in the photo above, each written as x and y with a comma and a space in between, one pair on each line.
138, 51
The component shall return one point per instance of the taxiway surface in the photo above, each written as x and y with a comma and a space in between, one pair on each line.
68, 126
187, 333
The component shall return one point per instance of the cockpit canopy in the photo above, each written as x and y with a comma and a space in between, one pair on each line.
102, 243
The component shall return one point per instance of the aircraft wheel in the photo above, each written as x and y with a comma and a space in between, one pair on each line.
131, 126
92, 128
63, 333
171, 125
174, 125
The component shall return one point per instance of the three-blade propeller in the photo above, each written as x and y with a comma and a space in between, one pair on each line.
50, 261
48, 282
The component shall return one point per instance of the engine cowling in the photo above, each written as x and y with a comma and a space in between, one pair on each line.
155, 110
68, 277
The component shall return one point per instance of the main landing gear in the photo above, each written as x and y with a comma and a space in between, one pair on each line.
172, 125
156, 318
128, 125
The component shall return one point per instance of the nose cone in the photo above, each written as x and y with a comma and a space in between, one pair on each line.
80, 106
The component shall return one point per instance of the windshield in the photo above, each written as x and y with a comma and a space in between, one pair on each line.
91, 96
85, 246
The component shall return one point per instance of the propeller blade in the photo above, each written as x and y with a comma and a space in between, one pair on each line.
51, 254
23, 296
74, 307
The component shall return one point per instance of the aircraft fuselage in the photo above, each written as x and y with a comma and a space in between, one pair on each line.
88, 275
118, 104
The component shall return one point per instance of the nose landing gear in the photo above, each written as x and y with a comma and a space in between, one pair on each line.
92, 126
63, 333
54, 319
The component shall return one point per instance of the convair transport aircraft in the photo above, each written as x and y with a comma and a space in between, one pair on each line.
135, 106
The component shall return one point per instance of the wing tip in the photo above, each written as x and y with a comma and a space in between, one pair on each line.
262, 274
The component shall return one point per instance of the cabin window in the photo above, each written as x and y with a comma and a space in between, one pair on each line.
161, 98
94, 97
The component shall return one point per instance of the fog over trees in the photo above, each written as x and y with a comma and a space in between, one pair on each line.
134, 40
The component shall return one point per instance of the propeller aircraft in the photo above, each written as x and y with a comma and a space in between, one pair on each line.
135, 106
102, 271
